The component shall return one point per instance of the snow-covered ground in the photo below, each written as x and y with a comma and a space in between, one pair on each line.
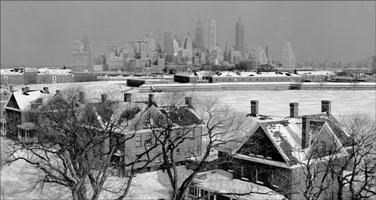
18, 179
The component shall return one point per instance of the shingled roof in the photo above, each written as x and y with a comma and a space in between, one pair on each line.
286, 134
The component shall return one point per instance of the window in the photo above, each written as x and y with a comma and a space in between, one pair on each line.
54, 78
31, 134
193, 134
138, 141
148, 140
22, 132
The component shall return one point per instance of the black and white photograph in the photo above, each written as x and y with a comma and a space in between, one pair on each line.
188, 100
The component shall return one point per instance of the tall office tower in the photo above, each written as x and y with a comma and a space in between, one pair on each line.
239, 36
267, 52
228, 51
150, 44
288, 56
168, 44
261, 58
199, 34
81, 57
212, 35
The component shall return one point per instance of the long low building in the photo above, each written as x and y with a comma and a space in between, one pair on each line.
253, 77
20, 76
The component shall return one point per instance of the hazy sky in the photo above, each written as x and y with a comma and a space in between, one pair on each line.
42, 33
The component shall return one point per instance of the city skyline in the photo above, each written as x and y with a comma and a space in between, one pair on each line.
318, 30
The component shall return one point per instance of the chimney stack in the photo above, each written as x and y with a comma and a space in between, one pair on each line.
27, 89
103, 98
254, 107
45, 90
127, 97
188, 101
11, 88
58, 92
326, 106
305, 131
23, 90
151, 98
294, 112
81, 97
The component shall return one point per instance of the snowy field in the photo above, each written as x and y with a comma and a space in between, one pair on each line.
17, 181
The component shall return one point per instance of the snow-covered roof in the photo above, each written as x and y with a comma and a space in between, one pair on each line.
54, 71
261, 74
315, 72
221, 182
10, 71
286, 134
24, 100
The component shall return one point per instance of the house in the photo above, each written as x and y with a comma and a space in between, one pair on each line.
275, 151
141, 121
5, 95
221, 185
18, 109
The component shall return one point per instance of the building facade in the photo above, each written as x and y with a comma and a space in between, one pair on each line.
212, 35
81, 56
199, 34
239, 36
276, 152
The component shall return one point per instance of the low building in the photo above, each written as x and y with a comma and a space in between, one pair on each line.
316, 76
5, 95
195, 77
275, 151
20, 76
221, 185
253, 77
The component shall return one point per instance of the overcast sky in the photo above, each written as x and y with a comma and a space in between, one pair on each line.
42, 33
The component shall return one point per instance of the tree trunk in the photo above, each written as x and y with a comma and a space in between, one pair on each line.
79, 194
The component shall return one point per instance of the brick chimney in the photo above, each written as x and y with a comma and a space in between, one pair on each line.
188, 101
254, 107
27, 89
127, 97
103, 98
326, 106
294, 111
305, 131
81, 97
11, 88
45, 90
151, 98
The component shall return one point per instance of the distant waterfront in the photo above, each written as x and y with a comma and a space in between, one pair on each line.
277, 102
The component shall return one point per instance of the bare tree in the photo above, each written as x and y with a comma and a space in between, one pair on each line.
73, 148
317, 171
172, 130
357, 174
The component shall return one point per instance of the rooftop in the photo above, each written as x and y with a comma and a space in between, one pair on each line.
261, 74
221, 182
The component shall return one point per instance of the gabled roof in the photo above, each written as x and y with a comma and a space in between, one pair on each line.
5, 94
286, 134
24, 101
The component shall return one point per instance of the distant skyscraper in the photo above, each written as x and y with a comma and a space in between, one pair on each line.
228, 51
239, 36
168, 44
199, 34
212, 35
81, 55
288, 56
261, 58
